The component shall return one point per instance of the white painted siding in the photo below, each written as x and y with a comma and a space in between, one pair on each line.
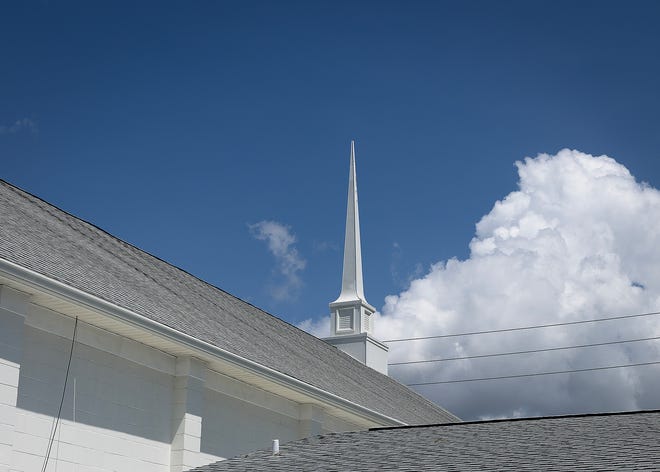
11, 338
122, 414
136, 408
234, 427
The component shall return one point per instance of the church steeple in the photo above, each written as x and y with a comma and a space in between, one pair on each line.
351, 316
351, 282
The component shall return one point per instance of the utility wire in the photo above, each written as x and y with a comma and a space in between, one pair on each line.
521, 328
532, 375
531, 351
59, 412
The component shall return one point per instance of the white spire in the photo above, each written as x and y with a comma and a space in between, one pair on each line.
351, 317
351, 282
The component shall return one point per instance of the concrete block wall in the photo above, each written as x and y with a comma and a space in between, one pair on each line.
232, 426
12, 306
121, 417
136, 408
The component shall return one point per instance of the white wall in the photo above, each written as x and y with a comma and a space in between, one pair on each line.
11, 340
136, 408
234, 427
13, 305
122, 409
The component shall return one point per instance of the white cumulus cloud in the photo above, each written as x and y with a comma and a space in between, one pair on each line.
579, 240
281, 243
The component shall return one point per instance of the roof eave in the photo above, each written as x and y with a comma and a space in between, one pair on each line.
53, 287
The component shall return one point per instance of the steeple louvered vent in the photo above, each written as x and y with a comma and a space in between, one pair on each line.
366, 321
345, 319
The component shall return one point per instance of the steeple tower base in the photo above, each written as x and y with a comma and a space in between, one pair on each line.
364, 348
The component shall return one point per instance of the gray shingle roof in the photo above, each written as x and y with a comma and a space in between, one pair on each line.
620, 441
49, 241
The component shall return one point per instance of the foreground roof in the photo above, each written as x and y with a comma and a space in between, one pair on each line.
42, 238
618, 441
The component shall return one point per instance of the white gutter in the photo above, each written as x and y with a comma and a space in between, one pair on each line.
54, 287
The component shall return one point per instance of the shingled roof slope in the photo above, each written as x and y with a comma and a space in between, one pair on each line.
605, 442
51, 242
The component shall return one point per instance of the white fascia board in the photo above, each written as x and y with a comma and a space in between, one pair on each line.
56, 288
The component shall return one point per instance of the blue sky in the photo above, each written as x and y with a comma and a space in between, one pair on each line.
178, 126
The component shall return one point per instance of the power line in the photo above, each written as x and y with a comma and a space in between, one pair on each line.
530, 351
556, 372
521, 328
59, 412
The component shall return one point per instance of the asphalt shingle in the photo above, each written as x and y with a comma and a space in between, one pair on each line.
605, 442
49, 241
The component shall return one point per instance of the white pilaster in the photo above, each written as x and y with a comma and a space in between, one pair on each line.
13, 308
187, 413
311, 420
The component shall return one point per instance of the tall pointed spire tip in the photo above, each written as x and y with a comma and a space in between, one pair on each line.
352, 285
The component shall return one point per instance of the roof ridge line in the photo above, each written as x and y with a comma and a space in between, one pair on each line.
511, 420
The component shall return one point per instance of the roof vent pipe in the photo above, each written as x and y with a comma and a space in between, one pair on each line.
276, 446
